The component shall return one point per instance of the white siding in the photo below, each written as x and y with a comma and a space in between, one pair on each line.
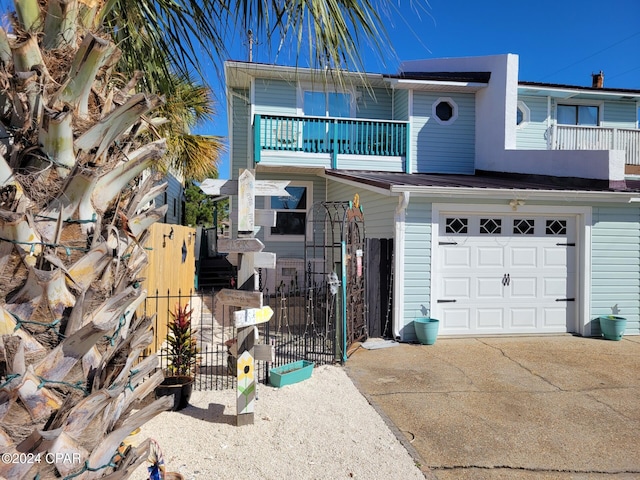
616, 264
443, 148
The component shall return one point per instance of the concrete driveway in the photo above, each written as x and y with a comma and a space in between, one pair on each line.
548, 407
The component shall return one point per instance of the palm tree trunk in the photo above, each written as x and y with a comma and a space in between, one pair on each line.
73, 219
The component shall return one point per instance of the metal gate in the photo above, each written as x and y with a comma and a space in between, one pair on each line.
335, 277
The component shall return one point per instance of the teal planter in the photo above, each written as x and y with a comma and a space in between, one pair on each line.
290, 373
426, 330
612, 327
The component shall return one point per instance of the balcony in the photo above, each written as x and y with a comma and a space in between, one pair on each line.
570, 137
329, 142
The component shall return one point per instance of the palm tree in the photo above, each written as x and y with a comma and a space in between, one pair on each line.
73, 221
76, 133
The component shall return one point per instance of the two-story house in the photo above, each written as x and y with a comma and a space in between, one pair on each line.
512, 206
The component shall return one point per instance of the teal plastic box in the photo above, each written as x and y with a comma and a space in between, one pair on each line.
290, 373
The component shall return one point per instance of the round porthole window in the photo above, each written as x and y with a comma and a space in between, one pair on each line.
445, 110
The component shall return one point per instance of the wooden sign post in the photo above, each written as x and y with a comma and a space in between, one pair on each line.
249, 257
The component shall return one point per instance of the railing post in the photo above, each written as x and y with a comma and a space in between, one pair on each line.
615, 140
407, 153
257, 148
334, 148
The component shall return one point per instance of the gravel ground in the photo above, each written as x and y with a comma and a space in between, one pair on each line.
321, 428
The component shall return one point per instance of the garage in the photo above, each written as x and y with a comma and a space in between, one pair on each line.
504, 273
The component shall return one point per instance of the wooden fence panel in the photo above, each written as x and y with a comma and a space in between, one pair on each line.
171, 268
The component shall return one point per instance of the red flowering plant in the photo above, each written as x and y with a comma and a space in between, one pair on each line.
182, 347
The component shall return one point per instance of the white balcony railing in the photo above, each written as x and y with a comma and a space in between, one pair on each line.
571, 137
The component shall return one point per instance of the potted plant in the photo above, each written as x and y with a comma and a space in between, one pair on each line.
182, 352
613, 326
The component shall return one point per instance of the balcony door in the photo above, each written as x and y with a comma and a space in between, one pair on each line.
322, 105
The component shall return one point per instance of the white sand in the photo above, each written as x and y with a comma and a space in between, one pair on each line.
320, 428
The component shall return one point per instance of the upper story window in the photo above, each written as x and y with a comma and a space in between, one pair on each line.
445, 110
327, 104
579, 115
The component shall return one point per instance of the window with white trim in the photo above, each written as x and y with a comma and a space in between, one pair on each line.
523, 114
291, 212
578, 115
444, 110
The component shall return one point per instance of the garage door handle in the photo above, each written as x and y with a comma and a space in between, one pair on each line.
447, 243
565, 299
506, 280
447, 301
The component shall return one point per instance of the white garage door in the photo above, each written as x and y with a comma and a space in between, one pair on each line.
505, 274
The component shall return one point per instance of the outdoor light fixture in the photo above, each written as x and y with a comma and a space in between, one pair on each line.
515, 203
165, 236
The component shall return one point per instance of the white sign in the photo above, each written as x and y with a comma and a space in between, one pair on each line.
252, 316
263, 188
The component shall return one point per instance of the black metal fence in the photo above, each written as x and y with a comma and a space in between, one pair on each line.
300, 329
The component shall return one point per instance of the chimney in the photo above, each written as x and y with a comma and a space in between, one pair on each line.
597, 79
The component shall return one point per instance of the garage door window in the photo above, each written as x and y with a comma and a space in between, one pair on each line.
523, 226
457, 225
491, 226
556, 227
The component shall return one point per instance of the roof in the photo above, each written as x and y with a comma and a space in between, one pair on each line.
477, 77
426, 183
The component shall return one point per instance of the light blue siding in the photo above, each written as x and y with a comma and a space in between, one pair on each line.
275, 97
239, 133
615, 264
532, 135
375, 104
437, 148
417, 265
619, 115
379, 210
401, 105
239, 155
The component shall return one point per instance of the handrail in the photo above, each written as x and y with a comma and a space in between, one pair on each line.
579, 137
332, 135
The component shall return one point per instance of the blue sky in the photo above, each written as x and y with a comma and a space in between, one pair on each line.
558, 41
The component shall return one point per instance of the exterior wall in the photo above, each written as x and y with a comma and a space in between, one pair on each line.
240, 135
615, 255
173, 197
619, 115
376, 104
378, 209
437, 148
417, 266
239, 143
274, 97
401, 105
532, 135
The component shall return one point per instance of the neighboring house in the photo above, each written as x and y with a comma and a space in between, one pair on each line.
512, 206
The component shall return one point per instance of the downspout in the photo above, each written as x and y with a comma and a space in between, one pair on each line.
398, 264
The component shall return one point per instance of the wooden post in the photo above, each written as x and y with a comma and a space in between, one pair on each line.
249, 256
246, 281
